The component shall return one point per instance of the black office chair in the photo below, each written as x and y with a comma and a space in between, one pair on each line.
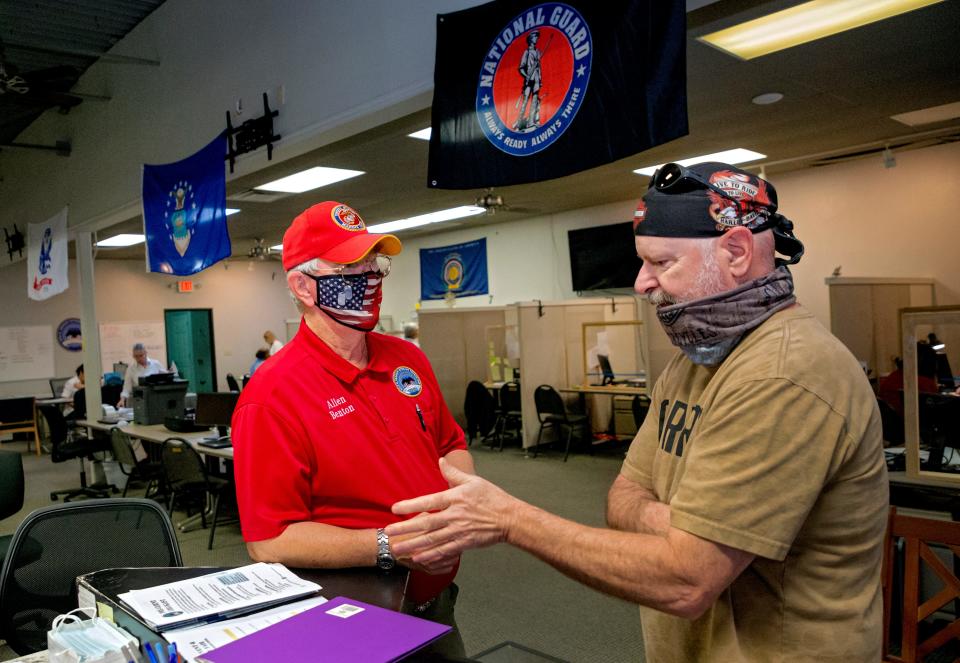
246, 379
187, 479
142, 470
75, 538
480, 410
232, 383
67, 447
640, 406
56, 386
11, 492
892, 424
510, 413
552, 413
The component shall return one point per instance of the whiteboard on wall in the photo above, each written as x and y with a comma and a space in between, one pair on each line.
117, 339
26, 353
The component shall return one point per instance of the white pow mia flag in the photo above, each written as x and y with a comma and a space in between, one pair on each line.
47, 257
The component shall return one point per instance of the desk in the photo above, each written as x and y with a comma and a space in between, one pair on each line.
926, 494
605, 390
368, 585
157, 433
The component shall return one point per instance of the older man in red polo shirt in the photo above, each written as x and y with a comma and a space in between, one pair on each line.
342, 422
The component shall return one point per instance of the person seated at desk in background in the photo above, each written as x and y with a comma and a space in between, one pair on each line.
142, 366
344, 422
273, 342
261, 357
749, 515
71, 387
890, 389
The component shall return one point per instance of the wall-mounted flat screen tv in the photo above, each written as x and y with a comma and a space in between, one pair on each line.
603, 257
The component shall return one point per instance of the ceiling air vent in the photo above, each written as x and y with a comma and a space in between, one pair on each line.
258, 196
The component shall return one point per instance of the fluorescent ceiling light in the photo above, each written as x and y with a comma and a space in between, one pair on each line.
929, 115
277, 247
123, 239
737, 155
423, 134
425, 219
312, 178
231, 210
804, 23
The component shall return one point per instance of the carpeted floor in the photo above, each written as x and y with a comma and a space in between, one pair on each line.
505, 594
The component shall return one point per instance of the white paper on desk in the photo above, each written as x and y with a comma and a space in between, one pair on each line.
192, 642
225, 593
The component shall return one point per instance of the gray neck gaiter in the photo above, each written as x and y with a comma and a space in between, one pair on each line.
708, 329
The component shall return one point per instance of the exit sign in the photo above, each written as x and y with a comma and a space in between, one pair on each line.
184, 286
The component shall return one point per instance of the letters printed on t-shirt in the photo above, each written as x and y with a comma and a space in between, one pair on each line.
674, 431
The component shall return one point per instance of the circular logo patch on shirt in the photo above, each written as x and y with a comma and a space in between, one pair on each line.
347, 218
407, 381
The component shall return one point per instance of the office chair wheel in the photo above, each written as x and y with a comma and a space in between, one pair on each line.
53, 497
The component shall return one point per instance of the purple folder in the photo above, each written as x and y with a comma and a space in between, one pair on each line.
339, 630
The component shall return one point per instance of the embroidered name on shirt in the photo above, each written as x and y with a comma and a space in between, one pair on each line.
674, 431
333, 407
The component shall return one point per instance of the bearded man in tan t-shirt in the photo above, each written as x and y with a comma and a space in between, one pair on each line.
748, 517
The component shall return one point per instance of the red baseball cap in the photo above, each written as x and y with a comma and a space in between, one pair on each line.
335, 232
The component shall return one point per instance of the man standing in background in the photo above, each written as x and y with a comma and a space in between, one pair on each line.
142, 366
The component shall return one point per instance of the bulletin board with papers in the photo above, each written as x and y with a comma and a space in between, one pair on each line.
26, 353
117, 340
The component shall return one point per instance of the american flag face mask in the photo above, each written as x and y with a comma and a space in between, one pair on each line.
353, 300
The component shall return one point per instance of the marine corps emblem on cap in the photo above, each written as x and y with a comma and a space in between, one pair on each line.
407, 381
347, 218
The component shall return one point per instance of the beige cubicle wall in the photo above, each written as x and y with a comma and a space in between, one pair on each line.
550, 346
454, 341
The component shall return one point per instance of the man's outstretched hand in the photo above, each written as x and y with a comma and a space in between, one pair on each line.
473, 513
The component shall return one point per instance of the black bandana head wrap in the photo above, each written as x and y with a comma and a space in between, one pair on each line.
708, 199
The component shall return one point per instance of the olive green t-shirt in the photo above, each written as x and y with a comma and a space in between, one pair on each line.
778, 452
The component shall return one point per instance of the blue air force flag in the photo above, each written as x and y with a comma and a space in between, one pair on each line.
47, 257
459, 270
184, 212
527, 91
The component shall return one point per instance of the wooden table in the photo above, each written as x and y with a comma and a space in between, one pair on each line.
158, 433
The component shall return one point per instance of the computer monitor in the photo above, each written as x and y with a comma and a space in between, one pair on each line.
216, 409
605, 370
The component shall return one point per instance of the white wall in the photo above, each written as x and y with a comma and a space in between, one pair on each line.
247, 298
345, 66
870, 220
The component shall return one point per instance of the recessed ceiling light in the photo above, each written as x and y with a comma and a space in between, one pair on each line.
123, 239
805, 23
231, 210
277, 247
737, 155
423, 134
307, 180
767, 98
425, 219
929, 115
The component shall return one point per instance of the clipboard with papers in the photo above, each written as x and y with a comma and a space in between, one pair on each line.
217, 596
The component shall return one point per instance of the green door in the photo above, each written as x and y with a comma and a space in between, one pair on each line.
189, 335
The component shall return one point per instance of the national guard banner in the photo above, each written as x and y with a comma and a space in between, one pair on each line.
525, 92
184, 212
459, 270
47, 257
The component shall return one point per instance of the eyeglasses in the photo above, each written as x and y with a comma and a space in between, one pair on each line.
670, 175
375, 262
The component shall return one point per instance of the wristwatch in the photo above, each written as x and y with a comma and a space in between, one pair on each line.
385, 560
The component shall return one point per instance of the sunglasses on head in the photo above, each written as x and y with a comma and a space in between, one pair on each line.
670, 175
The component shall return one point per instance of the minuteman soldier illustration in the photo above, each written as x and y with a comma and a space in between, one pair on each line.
529, 102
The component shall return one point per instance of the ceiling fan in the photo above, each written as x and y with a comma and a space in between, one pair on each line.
492, 203
260, 251
47, 87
